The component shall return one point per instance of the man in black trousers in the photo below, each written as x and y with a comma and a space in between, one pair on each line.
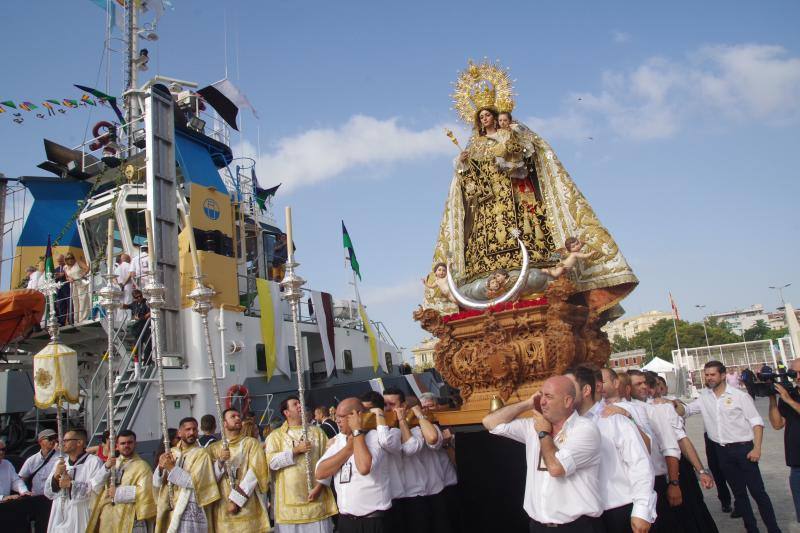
735, 430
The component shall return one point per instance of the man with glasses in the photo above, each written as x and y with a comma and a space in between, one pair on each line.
70, 485
35, 472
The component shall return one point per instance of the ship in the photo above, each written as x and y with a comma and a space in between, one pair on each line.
168, 152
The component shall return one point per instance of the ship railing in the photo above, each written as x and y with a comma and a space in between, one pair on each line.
97, 398
65, 305
129, 138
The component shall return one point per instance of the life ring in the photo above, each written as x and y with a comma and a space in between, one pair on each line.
101, 140
241, 395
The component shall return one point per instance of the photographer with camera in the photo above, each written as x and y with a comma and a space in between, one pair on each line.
785, 413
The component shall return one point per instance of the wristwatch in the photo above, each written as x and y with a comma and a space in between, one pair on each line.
674, 482
543, 434
357, 432
703, 471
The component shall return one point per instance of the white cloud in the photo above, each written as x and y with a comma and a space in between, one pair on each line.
406, 291
620, 37
661, 97
323, 153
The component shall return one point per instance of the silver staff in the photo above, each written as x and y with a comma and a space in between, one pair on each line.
292, 291
110, 301
49, 287
154, 292
201, 297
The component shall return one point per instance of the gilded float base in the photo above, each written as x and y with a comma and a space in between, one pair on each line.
509, 353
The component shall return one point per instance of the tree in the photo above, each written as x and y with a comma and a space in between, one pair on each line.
759, 331
659, 340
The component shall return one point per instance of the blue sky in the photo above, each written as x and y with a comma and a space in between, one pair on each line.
693, 109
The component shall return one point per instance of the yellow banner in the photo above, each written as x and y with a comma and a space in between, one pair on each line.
373, 342
268, 336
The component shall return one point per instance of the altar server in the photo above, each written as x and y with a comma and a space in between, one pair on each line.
128, 505
70, 485
239, 508
297, 510
185, 484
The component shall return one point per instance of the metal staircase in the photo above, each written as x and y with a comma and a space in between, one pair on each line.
129, 389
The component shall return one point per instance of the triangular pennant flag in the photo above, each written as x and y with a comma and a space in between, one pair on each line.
8, 103
85, 98
52, 101
348, 244
70, 103
27, 106
262, 195
104, 97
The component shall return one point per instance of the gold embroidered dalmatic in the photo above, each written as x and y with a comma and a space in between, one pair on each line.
120, 517
198, 464
291, 491
246, 455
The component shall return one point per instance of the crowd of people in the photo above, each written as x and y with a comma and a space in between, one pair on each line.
608, 452
398, 476
76, 297
605, 452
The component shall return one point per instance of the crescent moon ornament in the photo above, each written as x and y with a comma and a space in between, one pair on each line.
469, 303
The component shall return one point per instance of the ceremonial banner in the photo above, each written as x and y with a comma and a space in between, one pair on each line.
323, 310
55, 375
348, 244
271, 328
373, 341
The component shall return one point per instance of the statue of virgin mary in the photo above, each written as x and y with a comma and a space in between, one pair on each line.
510, 190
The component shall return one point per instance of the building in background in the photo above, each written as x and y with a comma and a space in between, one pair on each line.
741, 320
423, 354
622, 361
627, 328
777, 318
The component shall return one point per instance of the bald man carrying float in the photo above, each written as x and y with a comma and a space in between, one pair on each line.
562, 486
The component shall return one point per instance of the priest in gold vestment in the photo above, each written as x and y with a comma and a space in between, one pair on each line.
185, 485
297, 511
239, 509
128, 506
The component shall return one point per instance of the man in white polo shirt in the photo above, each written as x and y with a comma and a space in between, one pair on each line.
356, 461
735, 429
35, 472
626, 474
562, 487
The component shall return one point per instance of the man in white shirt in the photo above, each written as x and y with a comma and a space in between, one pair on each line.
140, 263
35, 472
665, 453
390, 439
12, 509
736, 431
357, 463
562, 488
626, 474
124, 272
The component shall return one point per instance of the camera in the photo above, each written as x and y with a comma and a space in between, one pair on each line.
769, 379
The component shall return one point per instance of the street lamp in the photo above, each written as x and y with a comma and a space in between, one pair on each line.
705, 331
780, 293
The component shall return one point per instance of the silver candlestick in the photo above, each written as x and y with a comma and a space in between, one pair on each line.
110, 299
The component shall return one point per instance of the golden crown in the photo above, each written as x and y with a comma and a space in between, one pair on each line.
482, 85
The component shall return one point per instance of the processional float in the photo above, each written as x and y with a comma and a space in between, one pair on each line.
523, 273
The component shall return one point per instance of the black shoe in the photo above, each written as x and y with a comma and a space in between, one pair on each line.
726, 508
736, 514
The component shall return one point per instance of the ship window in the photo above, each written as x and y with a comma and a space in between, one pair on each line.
96, 230
261, 358
136, 225
388, 357
347, 355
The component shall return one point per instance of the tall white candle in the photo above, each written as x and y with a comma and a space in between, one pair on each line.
289, 247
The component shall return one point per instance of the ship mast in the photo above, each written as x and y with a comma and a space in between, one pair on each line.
131, 69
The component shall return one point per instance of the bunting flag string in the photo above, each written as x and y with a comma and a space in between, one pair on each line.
52, 107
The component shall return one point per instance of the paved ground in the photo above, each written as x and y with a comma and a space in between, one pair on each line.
773, 470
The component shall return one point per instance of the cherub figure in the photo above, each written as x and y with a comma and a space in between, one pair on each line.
496, 283
573, 247
504, 120
439, 283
